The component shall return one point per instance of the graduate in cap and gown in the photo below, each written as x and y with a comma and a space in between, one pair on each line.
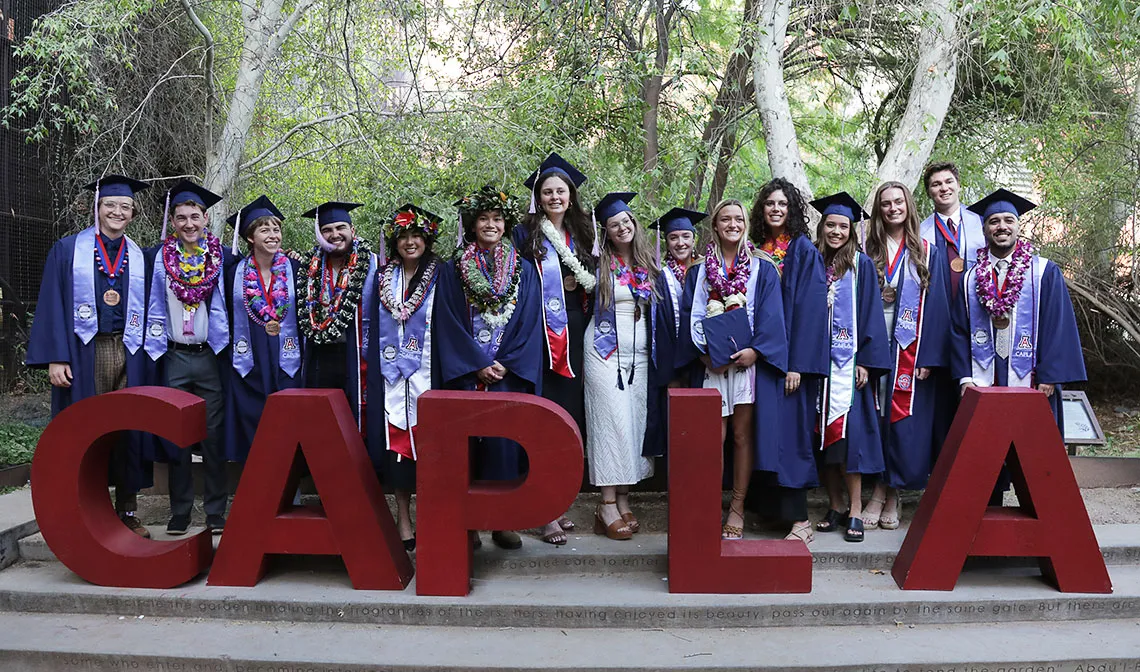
88, 328
679, 230
335, 289
912, 275
488, 320
849, 421
187, 328
737, 286
401, 352
266, 353
957, 233
558, 236
780, 228
1015, 326
619, 375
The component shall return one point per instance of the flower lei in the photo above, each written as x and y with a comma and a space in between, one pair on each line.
389, 288
778, 248
408, 220
584, 277
831, 286
637, 278
330, 310
193, 274
491, 281
258, 308
1001, 304
727, 293
677, 267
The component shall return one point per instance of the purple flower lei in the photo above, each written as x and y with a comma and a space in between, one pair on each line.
193, 276
256, 305
737, 280
636, 279
1001, 304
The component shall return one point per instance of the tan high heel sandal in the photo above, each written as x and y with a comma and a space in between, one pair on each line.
617, 530
732, 532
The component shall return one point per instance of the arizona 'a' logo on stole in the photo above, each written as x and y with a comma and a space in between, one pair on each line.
908, 337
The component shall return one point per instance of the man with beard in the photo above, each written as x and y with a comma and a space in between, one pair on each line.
335, 289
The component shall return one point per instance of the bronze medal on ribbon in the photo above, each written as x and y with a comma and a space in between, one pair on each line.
111, 298
272, 327
957, 265
569, 283
1001, 321
888, 294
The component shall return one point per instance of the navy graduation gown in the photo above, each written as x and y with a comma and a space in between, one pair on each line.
769, 339
911, 445
245, 396
804, 288
864, 442
53, 339
1059, 358
520, 352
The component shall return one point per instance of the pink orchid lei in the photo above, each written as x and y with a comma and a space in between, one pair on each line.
1001, 303
637, 278
259, 309
724, 288
193, 274
676, 267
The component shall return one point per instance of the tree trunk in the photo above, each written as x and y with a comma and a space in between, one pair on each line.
1124, 207
772, 98
264, 34
934, 77
651, 89
723, 162
730, 99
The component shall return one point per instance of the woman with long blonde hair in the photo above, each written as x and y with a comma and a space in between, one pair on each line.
618, 375
733, 276
918, 324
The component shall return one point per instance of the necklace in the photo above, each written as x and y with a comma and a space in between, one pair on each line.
778, 248
266, 304
331, 306
491, 281
403, 309
193, 272
636, 278
676, 267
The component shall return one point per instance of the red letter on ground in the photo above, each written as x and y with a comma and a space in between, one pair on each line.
69, 488
953, 520
699, 560
263, 522
449, 504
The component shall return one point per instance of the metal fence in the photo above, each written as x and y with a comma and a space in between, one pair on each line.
27, 202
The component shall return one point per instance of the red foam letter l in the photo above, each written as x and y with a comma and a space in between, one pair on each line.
699, 560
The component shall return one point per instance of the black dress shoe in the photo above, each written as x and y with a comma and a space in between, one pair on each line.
410, 544
215, 523
178, 525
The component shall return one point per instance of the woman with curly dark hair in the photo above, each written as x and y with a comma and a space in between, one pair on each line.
558, 236
780, 228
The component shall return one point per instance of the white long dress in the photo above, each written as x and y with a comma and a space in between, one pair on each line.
616, 418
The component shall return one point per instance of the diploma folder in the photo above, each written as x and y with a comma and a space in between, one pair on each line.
727, 334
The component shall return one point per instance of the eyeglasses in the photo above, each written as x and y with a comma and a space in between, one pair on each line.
118, 207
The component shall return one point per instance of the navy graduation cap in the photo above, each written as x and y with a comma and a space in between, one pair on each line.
332, 211
259, 207
678, 219
188, 192
841, 203
559, 166
116, 185
1002, 200
613, 203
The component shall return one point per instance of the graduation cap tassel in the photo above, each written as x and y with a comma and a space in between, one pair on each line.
96, 206
237, 227
382, 253
621, 383
321, 242
534, 186
658, 234
597, 251
165, 214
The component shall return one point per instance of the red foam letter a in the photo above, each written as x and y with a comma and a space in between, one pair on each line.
263, 522
953, 521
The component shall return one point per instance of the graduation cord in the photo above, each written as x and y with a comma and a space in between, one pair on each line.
617, 340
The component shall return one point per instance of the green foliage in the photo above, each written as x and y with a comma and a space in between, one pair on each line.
17, 443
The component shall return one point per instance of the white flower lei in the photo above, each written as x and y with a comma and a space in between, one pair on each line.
584, 277
501, 318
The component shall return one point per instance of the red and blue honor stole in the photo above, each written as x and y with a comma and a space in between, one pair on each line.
554, 309
839, 388
907, 333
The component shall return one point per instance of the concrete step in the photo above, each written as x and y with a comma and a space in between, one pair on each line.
318, 591
17, 521
595, 555
41, 643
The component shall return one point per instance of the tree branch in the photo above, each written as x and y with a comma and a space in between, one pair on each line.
290, 133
